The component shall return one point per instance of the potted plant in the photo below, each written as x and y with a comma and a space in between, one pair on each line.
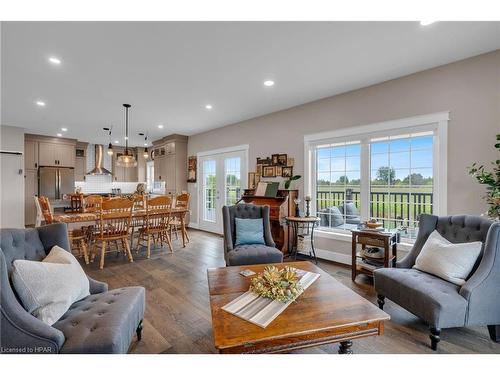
289, 181
492, 181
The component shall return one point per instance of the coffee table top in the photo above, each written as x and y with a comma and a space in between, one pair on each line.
326, 305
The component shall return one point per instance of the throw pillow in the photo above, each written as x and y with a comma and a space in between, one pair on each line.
452, 262
48, 288
249, 231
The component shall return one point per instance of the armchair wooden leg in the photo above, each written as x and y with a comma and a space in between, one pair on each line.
435, 332
381, 301
494, 332
139, 331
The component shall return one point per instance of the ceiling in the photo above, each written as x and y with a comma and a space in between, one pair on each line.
169, 71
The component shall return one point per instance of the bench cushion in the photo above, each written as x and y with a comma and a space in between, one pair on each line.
104, 322
433, 299
254, 254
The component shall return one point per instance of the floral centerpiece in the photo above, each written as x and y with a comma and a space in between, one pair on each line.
279, 285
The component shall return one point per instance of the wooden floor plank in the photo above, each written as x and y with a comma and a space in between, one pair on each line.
178, 320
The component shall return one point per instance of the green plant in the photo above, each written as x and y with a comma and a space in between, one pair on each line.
492, 181
289, 181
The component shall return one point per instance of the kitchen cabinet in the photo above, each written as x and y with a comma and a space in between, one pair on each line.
80, 168
170, 163
56, 154
30, 154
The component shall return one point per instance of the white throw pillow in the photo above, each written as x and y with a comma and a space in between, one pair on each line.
452, 262
48, 288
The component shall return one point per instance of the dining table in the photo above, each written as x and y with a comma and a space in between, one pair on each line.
76, 220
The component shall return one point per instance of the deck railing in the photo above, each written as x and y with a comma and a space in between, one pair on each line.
402, 207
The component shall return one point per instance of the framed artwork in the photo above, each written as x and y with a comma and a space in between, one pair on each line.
279, 171
259, 170
282, 160
287, 172
251, 180
257, 179
267, 161
290, 162
192, 169
259, 161
274, 159
269, 171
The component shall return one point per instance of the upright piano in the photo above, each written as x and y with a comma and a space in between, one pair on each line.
281, 206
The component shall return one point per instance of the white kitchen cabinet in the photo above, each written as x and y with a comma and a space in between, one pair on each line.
30, 154
56, 154
30, 191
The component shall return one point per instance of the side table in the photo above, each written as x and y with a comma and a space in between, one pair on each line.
382, 239
307, 225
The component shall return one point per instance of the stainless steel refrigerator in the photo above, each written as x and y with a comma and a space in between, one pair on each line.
53, 182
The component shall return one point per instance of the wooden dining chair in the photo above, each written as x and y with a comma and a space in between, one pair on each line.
156, 222
92, 203
39, 215
77, 237
181, 202
76, 202
114, 224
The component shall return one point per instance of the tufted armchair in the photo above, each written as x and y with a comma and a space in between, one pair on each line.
103, 322
442, 304
248, 254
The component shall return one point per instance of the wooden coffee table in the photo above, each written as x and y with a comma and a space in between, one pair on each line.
326, 312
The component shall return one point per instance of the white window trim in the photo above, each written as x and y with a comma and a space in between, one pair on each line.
438, 122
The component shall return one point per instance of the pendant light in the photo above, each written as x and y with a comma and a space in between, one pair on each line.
110, 146
146, 152
126, 160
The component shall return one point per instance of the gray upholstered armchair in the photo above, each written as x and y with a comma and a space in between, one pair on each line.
103, 322
248, 254
442, 304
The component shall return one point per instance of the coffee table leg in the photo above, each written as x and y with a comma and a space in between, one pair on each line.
345, 347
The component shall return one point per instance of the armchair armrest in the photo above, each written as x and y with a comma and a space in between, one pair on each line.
96, 287
481, 290
268, 237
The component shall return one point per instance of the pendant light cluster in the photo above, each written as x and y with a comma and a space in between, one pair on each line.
126, 159
146, 152
110, 146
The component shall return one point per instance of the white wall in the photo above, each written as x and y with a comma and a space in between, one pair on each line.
11, 178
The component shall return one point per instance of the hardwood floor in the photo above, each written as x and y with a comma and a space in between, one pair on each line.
177, 318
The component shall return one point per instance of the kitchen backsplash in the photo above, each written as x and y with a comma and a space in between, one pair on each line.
104, 184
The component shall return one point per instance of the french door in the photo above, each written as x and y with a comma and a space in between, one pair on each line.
223, 178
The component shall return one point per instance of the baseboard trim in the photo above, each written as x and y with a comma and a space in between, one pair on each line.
193, 225
342, 258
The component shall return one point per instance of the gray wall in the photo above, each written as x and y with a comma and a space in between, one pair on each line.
11, 181
469, 89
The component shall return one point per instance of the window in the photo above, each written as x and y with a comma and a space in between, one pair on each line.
392, 172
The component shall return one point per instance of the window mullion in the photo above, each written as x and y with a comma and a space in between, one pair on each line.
365, 180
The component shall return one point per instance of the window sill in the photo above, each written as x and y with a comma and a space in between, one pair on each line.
346, 237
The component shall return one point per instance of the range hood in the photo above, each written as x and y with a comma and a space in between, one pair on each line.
98, 168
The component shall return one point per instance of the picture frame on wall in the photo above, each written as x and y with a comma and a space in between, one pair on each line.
282, 160
275, 159
290, 162
192, 165
257, 179
258, 171
279, 171
251, 180
269, 171
287, 172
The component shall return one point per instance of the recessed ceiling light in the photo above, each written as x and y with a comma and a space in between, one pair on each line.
209, 106
40, 103
269, 83
145, 144
117, 142
64, 129
54, 60
426, 23
59, 134
160, 126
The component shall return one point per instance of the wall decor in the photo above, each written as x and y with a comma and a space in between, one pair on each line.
274, 158
287, 172
258, 170
282, 160
279, 171
290, 162
257, 179
192, 169
269, 171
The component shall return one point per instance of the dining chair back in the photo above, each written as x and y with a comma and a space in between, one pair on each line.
182, 200
39, 215
46, 209
115, 216
76, 202
92, 203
